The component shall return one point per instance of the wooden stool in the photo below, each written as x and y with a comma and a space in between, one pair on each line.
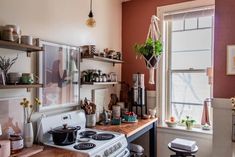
183, 153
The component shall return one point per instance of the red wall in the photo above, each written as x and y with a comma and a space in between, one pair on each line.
224, 86
136, 19
136, 16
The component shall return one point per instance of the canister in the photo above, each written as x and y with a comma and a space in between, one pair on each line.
5, 149
17, 144
116, 111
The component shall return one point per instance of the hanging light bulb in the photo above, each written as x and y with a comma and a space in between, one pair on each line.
90, 22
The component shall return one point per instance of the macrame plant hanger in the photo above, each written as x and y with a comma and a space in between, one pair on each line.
152, 60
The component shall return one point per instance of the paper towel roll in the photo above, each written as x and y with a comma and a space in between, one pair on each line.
5, 150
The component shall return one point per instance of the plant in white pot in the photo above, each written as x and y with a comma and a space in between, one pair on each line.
188, 123
152, 49
29, 109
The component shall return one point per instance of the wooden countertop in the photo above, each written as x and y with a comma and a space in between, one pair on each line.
127, 128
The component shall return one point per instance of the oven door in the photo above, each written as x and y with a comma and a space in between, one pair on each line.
124, 153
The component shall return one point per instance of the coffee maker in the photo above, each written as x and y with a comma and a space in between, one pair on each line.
139, 95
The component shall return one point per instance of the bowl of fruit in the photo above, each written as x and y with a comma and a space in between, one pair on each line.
171, 122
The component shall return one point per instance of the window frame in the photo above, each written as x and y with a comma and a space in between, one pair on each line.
162, 70
170, 71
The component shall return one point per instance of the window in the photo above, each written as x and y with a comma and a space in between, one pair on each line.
189, 42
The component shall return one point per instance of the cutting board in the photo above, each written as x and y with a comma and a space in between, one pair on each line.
101, 98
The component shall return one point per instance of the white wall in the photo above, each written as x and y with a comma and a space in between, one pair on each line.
222, 122
63, 21
204, 141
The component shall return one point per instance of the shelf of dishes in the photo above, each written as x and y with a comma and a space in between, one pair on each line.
103, 59
20, 47
18, 80
111, 56
96, 77
11, 38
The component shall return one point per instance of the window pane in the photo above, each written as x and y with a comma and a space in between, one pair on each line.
177, 25
180, 112
189, 87
191, 23
191, 59
205, 22
191, 40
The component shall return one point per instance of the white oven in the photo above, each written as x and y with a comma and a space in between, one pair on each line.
90, 142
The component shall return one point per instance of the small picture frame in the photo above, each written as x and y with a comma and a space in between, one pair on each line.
2, 78
230, 60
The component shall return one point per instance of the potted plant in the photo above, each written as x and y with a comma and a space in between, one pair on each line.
6, 64
151, 50
148, 49
188, 122
29, 109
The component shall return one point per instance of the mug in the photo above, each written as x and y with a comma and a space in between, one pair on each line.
26, 39
27, 78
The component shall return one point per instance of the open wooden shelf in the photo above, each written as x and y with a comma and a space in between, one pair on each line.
18, 86
99, 83
103, 59
20, 47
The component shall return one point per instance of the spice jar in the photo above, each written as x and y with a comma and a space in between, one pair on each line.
17, 144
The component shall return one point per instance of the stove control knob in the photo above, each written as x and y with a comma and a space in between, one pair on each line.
119, 145
116, 146
113, 149
106, 153
110, 151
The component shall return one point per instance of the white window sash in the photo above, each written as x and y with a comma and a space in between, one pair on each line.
163, 71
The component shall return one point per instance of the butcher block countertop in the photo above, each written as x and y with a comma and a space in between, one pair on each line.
55, 152
128, 129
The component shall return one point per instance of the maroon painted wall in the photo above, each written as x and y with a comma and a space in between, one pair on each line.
136, 19
224, 85
136, 16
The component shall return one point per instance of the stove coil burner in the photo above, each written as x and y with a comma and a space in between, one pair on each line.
84, 146
103, 136
86, 134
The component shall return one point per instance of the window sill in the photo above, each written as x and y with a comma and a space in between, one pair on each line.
181, 130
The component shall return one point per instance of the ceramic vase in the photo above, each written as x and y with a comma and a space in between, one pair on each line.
28, 135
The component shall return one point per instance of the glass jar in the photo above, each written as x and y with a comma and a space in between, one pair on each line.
17, 144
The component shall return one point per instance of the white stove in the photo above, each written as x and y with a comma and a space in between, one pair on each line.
93, 145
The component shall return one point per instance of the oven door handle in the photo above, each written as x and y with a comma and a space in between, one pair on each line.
125, 153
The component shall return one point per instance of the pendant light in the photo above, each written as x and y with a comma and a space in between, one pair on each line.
91, 21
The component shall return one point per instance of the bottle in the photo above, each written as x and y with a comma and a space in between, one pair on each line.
17, 143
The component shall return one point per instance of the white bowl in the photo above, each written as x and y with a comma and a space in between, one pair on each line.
171, 124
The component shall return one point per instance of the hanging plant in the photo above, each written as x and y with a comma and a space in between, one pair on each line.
148, 49
152, 49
